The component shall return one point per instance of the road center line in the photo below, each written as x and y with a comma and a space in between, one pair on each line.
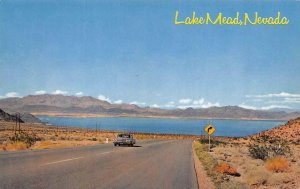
105, 152
61, 161
113, 151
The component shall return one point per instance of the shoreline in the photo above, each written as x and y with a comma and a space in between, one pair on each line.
9, 126
87, 115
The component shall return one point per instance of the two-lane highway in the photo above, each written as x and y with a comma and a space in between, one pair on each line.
151, 164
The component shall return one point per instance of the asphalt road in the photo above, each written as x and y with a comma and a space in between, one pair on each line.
151, 164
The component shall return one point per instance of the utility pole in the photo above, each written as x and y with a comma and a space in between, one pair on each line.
15, 127
19, 123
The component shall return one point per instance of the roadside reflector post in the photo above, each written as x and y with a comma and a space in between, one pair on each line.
209, 129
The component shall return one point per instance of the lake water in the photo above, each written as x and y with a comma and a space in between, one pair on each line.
235, 128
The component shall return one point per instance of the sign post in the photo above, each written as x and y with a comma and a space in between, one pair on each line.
208, 143
209, 129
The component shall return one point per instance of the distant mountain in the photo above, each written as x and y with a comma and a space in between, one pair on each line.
76, 106
235, 112
64, 104
288, 110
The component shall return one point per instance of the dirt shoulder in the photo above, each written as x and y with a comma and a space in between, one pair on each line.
204, 181
230, 164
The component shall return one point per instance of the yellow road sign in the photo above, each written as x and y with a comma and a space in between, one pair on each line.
209, 129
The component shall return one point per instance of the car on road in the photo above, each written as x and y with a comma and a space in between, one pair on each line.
124, 139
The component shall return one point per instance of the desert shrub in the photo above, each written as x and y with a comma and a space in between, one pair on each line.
216, 142
28, 139
18, 145
226, 169
270, 149
279, 149
258, 152
264, 138
277, 164
213, 143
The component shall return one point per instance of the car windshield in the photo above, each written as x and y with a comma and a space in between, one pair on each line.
124, 136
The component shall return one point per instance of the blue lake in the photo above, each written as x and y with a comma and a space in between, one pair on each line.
236, 128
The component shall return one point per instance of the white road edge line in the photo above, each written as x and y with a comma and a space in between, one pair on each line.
61, 161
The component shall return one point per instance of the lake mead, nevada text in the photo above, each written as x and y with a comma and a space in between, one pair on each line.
238, 19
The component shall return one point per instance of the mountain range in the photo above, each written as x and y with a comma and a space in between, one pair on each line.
61, 105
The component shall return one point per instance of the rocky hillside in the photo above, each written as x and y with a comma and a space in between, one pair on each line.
7, 117
24, 117
29, 118
59, 104
288, 132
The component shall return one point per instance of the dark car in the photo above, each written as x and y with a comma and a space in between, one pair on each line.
124, 139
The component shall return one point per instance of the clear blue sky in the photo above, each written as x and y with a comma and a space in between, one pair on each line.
131, 51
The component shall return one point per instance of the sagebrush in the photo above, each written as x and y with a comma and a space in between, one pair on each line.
265, 149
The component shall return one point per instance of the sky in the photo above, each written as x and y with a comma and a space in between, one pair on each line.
130, 51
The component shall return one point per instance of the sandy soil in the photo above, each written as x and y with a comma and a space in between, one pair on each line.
253, 171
